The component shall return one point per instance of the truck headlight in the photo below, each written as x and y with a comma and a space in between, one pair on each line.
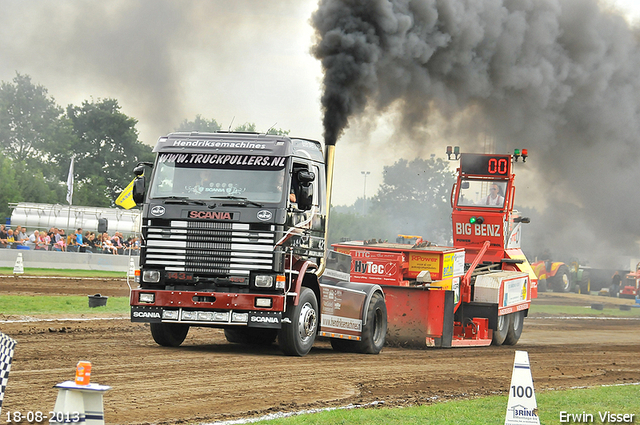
145, 297
151, 276
263, 281
189, 315
240, 317
263, 302
170, 314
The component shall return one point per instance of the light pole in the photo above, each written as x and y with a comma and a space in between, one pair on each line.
364, 193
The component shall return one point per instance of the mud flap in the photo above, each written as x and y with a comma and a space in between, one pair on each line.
419, 317
147, 314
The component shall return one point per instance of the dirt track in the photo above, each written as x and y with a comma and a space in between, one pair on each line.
209, 379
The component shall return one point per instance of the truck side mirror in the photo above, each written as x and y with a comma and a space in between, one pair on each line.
138, 189
305, 177
305, 199
139, 170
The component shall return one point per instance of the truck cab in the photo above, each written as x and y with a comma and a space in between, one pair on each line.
232, 225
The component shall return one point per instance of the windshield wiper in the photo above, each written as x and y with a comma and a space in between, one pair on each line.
181, 200
238, 198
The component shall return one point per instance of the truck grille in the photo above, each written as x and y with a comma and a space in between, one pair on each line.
208, 247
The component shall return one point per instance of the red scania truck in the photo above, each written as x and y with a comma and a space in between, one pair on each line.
233, 236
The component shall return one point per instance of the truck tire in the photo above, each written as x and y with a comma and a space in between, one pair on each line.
562, 280
169, 334
501, 330
374, 332
516, 323
298, 333
251, 336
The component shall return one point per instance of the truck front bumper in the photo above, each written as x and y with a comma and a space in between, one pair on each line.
207, 308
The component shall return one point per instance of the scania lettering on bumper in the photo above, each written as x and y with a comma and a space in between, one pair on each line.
258, 319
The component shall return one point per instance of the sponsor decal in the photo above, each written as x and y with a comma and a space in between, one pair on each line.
264, 215
478, 229
342, 323
211, 215
200, 160
515, 291
218, 144
157, 210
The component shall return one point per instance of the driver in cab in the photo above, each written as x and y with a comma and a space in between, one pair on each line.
495, 197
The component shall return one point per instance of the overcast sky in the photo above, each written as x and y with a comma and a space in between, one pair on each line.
165, 61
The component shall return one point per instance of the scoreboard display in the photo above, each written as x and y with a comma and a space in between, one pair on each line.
490, 165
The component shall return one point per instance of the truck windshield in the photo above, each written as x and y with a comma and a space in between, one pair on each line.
205, 176
481, 193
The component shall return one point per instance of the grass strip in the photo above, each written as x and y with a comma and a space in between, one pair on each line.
484, 411
581, 311
65, 272
51, 304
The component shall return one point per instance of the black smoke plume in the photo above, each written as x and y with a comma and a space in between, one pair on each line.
559, 77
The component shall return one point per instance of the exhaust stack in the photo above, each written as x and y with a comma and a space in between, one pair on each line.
329, 159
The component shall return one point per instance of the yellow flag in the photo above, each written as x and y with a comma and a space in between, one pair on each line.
125, 200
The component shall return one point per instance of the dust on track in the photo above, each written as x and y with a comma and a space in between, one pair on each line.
208, 379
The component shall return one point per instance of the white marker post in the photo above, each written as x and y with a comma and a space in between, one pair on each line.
79, 403
18, 267
522, 407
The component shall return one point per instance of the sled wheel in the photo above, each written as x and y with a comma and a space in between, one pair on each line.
516, 323
169, 334
251, 336
501, 330
298, 333
562, 280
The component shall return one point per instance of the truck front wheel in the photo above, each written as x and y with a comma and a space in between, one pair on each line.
300, 325
169, 334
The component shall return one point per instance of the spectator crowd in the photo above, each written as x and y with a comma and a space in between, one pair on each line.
56, 240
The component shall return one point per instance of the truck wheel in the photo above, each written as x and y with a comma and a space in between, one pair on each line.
251, 336
501, 330
169, 334
562, 280
516, 323
373, 333
298, 335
